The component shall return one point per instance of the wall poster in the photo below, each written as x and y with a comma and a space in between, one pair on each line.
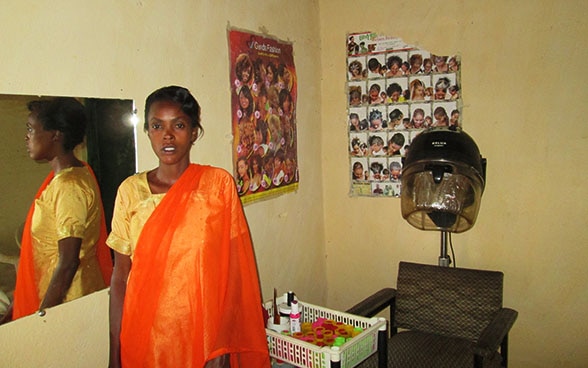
394, 91
263, 106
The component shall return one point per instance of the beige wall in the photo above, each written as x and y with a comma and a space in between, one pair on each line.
129, 48
524, 85
522, 74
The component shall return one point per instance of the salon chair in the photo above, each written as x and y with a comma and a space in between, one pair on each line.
443, 317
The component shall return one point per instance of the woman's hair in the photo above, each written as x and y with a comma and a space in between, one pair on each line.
395, 114
416, 58
65, 114
394, 59
355, 65
262, 127
376, 87
414, 85
243, 62
394, 87
257, 159
443, 83
376, 167
180, 96
397, 138
274, 70
285, 96
374, 64
418, 111
376, 114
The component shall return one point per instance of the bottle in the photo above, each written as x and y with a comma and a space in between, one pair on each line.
294, 318
290, 297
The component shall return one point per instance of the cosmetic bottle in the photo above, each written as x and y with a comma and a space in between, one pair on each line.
294, 317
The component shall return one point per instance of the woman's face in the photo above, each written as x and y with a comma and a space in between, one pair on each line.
440, 62
243, 101
256, 168
170, 132
257, 137
453, 64
395, 96
419, 93
242, 168
287, 76
277, 164
428, 67
38, 140
286, 106
439, 94
394, 68
418, 120
246, 73
270, 74
454, 119
358, 171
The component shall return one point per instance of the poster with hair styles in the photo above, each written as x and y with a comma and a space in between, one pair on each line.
263, 110
394, 92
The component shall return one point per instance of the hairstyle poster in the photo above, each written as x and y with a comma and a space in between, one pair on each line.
394, 92
263, 106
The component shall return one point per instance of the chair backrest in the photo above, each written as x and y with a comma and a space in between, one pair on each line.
445, 300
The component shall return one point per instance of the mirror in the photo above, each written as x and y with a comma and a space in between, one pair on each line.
109, 148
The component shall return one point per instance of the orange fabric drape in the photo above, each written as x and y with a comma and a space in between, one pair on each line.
26, 294
193, 291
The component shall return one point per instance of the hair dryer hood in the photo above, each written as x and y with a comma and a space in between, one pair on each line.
442, 181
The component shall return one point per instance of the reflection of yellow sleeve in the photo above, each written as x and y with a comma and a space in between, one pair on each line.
71, 210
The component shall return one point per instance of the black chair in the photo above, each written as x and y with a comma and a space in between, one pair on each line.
443, 317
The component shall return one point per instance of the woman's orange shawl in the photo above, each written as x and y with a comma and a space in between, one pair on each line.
193, 291
26, 293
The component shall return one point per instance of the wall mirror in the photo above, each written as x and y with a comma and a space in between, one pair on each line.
109, 148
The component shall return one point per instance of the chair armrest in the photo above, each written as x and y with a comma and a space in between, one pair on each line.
374, 303
495, 332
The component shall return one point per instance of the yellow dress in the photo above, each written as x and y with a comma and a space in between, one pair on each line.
134, 205
69, 207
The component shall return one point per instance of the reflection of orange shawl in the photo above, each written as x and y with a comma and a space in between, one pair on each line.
193, 291
26, 295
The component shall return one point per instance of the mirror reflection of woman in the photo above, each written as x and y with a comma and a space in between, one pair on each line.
63, 254
181, 229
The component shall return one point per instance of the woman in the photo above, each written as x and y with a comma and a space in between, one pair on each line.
417, 90
63, 254
243, 175
193, 296
257, 177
